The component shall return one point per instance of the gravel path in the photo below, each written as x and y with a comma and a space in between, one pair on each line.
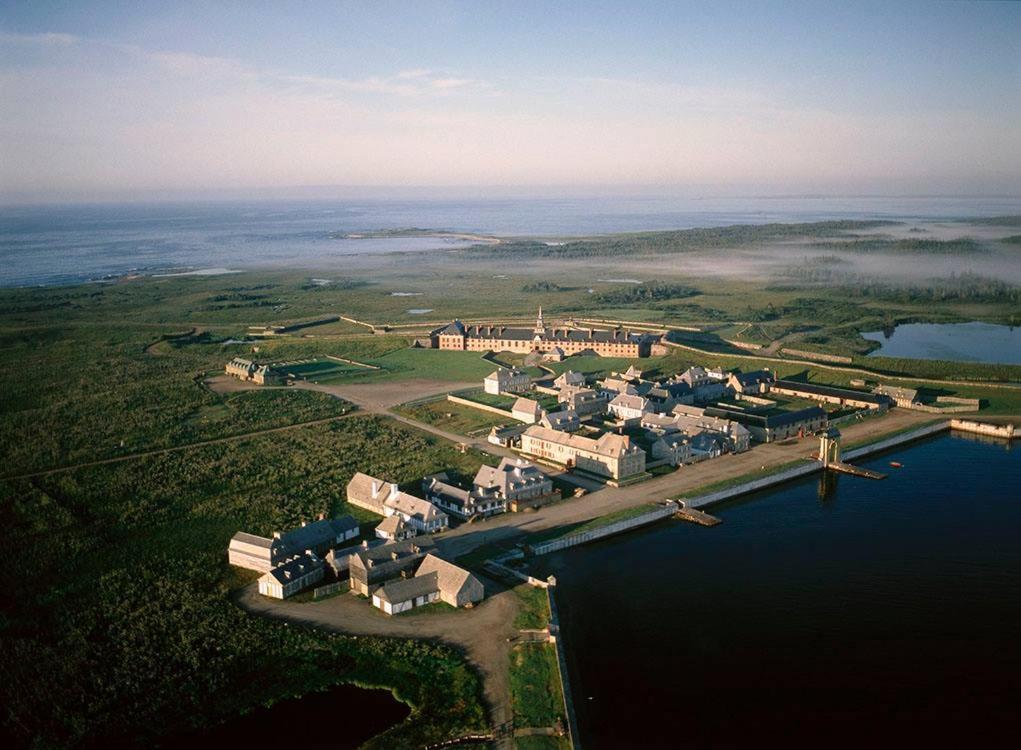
484, 634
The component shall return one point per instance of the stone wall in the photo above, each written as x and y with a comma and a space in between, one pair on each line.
572, 540
817, 356
981, 428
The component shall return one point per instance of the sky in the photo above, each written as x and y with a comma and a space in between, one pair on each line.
106, 100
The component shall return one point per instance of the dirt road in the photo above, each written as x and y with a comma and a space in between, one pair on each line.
485, 633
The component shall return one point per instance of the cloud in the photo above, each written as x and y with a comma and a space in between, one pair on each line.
104, 116
48, 39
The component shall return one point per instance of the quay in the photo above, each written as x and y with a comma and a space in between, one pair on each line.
696, 516
856, 471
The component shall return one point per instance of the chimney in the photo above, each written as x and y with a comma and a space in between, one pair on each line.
304, 524
394, 555
365, 544
322, 516
375, 487
393, 491
276, 534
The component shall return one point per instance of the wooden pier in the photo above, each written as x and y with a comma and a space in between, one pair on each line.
697, 516
856, 471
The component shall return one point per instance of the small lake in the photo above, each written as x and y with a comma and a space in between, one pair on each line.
956, 342
314, 720
845, 613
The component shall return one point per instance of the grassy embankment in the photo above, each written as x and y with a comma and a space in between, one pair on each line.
537, 696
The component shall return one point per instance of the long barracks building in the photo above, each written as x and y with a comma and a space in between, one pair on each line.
481, 338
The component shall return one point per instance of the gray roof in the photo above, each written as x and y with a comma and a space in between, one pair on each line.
451, 577
405, 589
257, 541
583, 335
829, 390
509, 475
454, 328
754, 377
527, 405
384, 553
448, 493
295, 568
317, 533
705, 441
561, 418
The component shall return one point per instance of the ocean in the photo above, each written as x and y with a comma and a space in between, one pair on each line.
66, 244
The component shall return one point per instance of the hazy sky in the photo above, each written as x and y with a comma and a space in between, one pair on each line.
108, 99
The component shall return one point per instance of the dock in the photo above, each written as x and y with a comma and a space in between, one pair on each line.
856, 471
697, 516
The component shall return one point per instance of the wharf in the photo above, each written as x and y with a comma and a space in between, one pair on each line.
856, 471
697, 516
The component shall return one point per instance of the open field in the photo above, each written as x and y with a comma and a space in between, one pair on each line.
454, 417
113, 563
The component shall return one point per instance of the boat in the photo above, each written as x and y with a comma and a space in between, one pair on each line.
896, 464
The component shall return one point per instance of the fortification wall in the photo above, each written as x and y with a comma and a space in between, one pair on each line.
572, 540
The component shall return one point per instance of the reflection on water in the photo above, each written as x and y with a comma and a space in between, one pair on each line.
957, 342
341, 718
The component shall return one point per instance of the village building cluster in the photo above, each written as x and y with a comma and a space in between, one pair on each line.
396, 574
617, 428
398, 568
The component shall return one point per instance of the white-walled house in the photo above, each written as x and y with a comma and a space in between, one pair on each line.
526, 410
507, 380
292, 576
420, 514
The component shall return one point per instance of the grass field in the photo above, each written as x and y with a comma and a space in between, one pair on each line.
536, 696
446, 415
534, 613
108, 568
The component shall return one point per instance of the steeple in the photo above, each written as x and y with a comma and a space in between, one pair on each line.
540, 329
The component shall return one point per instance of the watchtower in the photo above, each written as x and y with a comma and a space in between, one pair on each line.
829, 446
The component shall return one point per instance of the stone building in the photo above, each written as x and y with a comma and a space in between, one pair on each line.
569, 377
629, 407
902, 397
542, 338
507, 380
246, 369
565, 420
514, 482
752, 383
526, 410
773, 427
584, 401
673, 447
611, 456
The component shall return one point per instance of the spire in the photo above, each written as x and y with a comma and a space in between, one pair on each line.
540, 328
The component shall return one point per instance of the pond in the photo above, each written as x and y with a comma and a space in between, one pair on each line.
956, 342
315, 719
